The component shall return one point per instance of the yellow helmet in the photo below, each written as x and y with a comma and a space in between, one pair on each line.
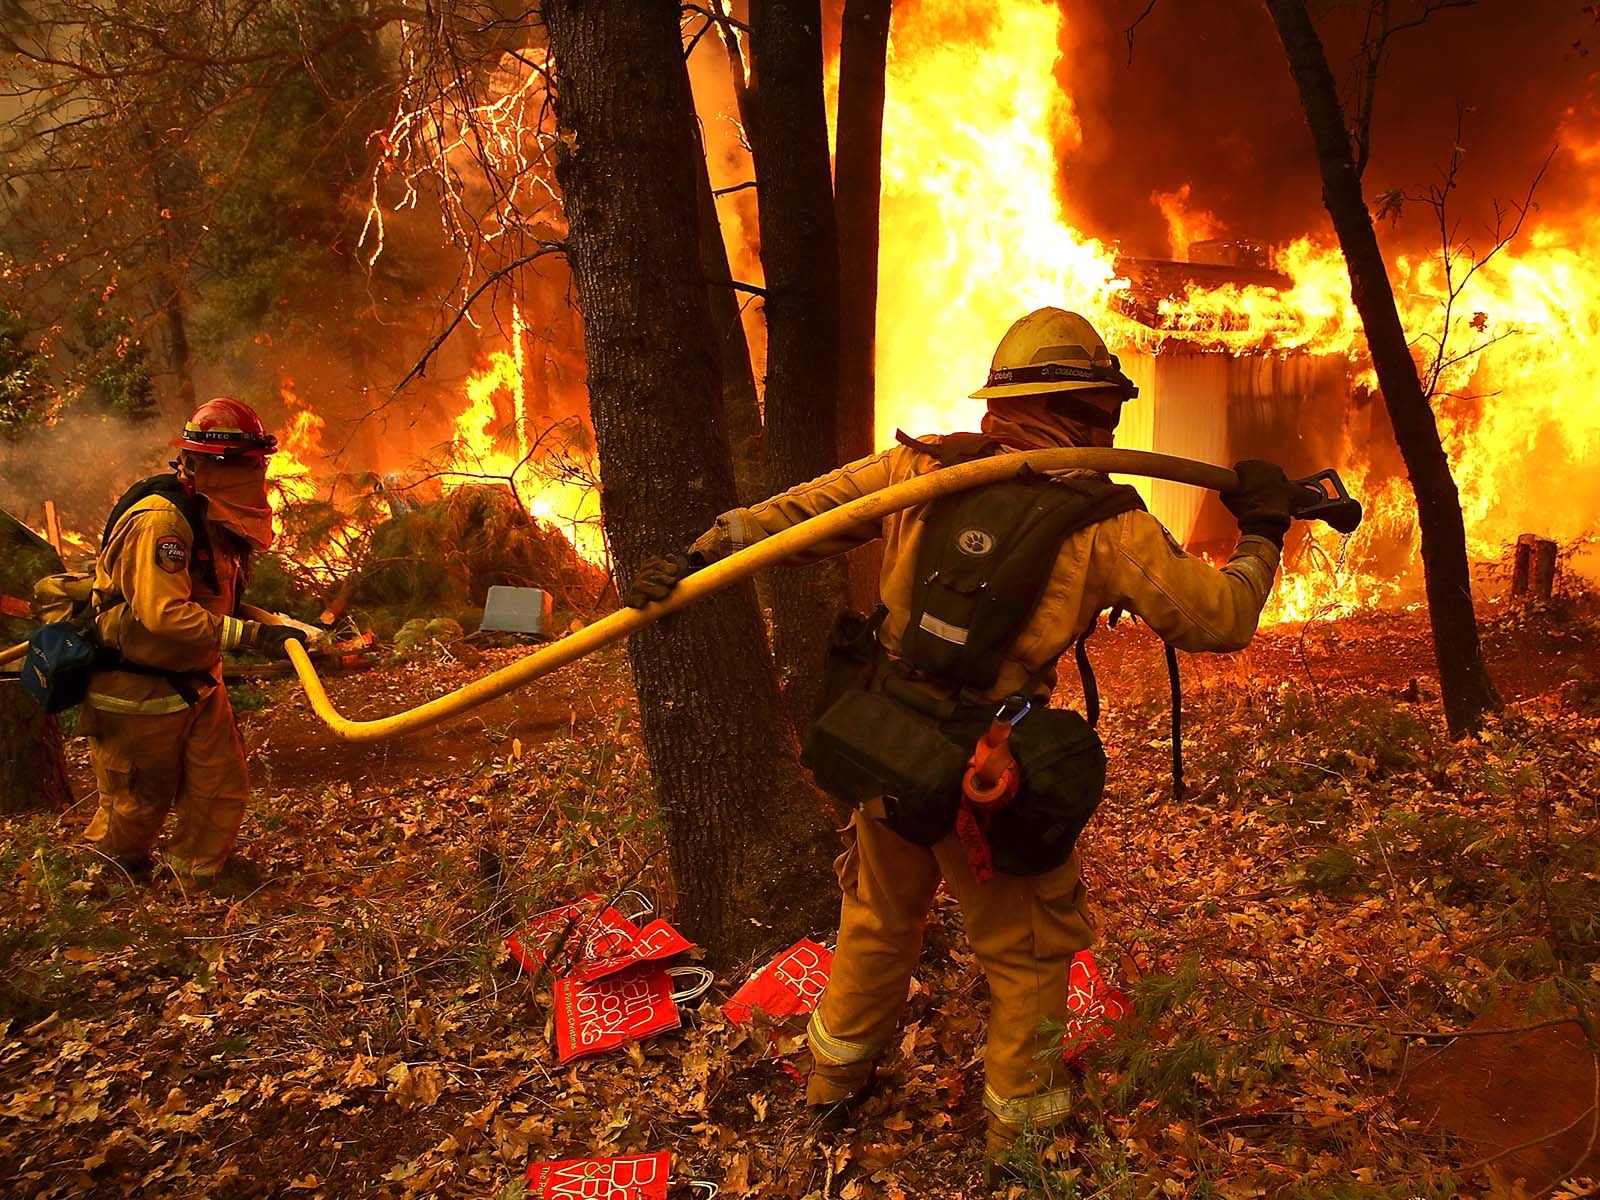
1052, 350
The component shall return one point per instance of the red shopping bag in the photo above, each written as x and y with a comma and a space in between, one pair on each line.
599, 1015
636, 1177
607, 935
1093, 1007
789, 986
532, 946
656, 942
584, 930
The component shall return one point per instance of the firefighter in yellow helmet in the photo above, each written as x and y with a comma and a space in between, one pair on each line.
1053, 383
168, 592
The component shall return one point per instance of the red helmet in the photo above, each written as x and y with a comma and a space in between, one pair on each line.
226, 428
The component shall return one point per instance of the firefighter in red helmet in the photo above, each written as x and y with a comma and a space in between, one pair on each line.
168, 588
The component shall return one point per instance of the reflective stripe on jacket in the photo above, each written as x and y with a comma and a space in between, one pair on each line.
158, 611
1129, 561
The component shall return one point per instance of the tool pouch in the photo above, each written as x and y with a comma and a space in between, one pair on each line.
1063, 767
867, 744
863, 743
61, 658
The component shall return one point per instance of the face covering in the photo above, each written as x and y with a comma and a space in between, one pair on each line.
1028, 423
236, 498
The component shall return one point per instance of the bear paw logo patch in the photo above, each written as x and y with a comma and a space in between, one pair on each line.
172, 555
974, 543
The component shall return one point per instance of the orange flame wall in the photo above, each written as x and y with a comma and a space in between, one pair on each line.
983, 139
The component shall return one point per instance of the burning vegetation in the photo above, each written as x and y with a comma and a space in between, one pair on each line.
1240, 348
554, 299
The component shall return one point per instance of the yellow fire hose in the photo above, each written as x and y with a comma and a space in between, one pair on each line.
1338, 510
740, 566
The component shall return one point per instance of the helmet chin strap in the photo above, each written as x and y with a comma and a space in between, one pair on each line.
184, 470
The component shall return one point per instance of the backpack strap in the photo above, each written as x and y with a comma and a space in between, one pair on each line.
170, 488
1177, 721
1091, 686
952, 449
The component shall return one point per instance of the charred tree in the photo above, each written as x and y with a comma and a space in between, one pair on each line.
171, 269
1464, 679
33, 766
747, 839
800, 259
857, 184
739, 403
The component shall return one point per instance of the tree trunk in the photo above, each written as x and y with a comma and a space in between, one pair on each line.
1464, 679
739, 404
172, 273
800, 259
746, 835
857, 183
33, 765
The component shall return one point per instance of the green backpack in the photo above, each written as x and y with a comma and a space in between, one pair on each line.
983, 562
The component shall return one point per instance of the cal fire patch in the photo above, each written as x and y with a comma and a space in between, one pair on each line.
172, 555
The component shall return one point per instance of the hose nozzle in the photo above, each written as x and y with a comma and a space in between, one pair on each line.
1328, 501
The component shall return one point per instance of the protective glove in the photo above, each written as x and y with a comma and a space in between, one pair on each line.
270, 640
1264, 501
658, 576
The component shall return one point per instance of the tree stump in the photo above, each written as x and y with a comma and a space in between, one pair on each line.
33, 764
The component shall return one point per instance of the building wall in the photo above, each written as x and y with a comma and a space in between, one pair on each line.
1215, 407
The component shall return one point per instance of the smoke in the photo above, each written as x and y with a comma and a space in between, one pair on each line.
1207, 103
83, 463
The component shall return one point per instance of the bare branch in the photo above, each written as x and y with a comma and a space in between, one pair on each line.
420, 367
1132, 30
738, 286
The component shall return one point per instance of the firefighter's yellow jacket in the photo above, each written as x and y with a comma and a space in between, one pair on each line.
163, 608
1129, 561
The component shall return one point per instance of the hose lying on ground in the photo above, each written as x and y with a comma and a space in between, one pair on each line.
740, 566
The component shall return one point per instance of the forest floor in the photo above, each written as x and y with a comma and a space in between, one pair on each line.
1322, 941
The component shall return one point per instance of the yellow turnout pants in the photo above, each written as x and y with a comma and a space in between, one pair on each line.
1024, 930
147, 763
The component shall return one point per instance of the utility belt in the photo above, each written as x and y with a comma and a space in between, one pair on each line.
63, 657
876, 734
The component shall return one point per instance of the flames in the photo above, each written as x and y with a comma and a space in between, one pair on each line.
289, 478
977, 230
978, 227
550, 471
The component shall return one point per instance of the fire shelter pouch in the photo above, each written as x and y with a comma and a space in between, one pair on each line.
61, 658
1063, 767
866, 744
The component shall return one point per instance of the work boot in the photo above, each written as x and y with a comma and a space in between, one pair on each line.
999, 1141
238, 878
106, 870
835, 1093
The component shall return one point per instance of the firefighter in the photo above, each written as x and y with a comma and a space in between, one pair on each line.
168, 592
1052, 384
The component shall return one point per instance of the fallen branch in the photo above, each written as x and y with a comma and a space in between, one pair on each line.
1426, 1035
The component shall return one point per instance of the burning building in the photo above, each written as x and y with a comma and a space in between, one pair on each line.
1218, 404
1241, 350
